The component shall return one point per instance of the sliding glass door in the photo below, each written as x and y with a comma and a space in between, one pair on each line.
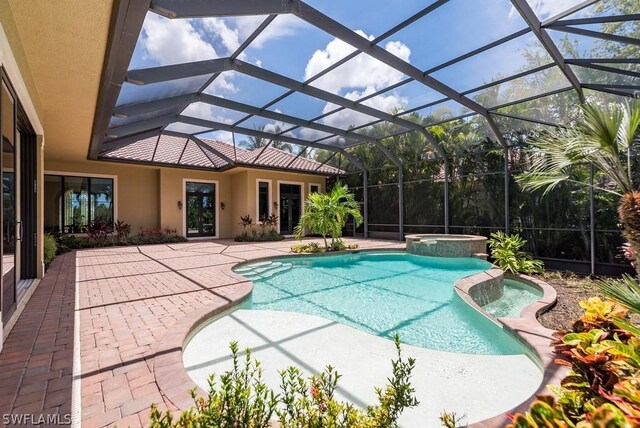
19, 200
9, 221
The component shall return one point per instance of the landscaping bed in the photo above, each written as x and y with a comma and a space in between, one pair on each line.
571, 289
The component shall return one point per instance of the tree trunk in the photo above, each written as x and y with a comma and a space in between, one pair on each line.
629, 212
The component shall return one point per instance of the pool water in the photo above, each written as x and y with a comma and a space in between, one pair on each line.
515, 297
382, 293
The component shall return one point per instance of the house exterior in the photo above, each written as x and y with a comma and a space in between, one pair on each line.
52, 61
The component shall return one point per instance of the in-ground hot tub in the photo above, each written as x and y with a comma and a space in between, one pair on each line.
447, 245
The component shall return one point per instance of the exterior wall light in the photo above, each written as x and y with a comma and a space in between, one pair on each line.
221, 205
179, 205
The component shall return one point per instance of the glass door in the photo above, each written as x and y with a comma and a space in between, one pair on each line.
9, 223
201, 209
290, 207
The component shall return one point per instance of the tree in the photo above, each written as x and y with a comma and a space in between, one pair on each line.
255, 142
603, 139
326, 214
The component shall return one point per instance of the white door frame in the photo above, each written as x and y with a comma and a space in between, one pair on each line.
184, 206
302, 197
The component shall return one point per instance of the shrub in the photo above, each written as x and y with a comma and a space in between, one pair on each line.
506, 251
50, 249
314, 247
246, 221
310, 248
122, 229
98, 230
602, 388
451, 420
241, 399
143, 237
267, 229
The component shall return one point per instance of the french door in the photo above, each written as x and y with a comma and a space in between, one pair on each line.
200, 210
290, 207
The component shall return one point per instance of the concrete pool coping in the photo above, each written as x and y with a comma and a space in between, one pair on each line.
174, 381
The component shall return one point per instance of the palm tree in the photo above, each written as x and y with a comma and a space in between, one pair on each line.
255, 142
326, 214
604, 140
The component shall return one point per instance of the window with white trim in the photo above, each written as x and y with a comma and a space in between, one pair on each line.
74, 202
263, 201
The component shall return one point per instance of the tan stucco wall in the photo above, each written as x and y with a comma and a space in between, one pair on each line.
7, 21
137, 188
147, 197
172, 190
248, 182
240, 206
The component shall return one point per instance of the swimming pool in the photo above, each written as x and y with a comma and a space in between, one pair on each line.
516, 296
382, 293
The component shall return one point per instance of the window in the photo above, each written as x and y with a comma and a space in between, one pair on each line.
314, 188
263, 201
72, 202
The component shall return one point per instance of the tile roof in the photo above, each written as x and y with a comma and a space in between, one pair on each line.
206, 153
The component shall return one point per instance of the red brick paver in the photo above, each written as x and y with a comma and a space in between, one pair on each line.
129, 299
36, 361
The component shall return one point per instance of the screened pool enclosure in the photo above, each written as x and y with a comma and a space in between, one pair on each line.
427, 106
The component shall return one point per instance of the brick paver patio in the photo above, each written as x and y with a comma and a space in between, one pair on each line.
128, 298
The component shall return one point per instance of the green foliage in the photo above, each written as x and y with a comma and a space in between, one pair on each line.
267, 231
326, 214
314, 247
451, 420
602, 389
67, 243
506, 250
242, 399
625, 290
310, 248
602, 138
50, 249
262, 236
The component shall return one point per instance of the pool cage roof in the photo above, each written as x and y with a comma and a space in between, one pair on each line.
195, 83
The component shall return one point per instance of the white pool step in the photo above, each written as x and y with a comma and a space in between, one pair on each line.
264, 270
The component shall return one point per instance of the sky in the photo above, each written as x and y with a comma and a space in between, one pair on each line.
296, 49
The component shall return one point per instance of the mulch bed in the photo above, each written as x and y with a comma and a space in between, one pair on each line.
571, 289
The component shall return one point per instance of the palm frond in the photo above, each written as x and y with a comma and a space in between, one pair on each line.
601, 138
625, 290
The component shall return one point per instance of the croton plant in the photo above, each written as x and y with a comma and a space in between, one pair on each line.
602, 387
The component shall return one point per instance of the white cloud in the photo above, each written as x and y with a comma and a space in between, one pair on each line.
173, 41
210, 112
281, 27
362, 71
230, 38
359, 77
547, 8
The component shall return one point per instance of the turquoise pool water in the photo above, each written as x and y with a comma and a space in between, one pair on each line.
515, 297
382, 293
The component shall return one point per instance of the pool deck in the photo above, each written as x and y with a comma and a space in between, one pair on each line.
132, 307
